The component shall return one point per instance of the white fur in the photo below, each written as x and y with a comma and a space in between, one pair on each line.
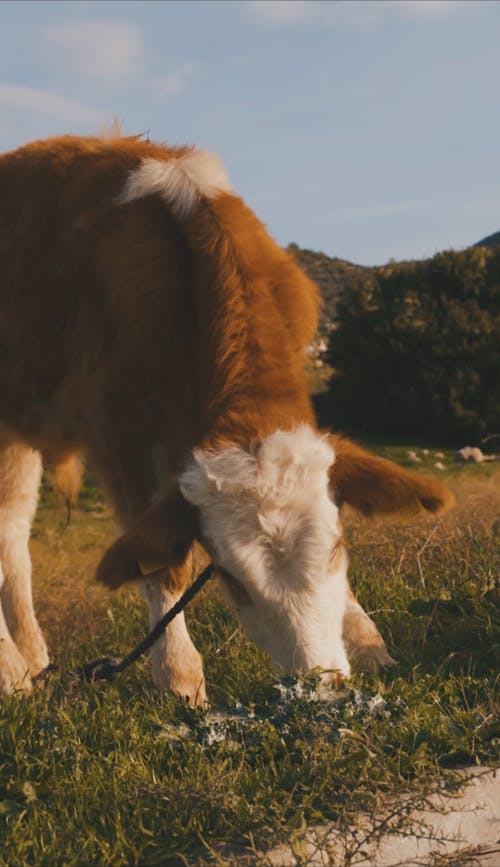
23, 652
111, 131
180, 181
268, 520
175, 661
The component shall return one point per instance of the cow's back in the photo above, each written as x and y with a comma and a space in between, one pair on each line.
115, 309
94, 297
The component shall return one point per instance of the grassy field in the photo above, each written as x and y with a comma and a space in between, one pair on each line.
121, 774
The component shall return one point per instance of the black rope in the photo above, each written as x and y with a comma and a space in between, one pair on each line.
108, 667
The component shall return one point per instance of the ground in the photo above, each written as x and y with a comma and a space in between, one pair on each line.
121, 774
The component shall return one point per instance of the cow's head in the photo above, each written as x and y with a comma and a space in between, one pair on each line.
268, 521
269, 518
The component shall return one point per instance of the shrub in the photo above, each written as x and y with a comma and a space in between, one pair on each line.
416, 350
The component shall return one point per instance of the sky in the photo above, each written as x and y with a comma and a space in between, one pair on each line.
367, 130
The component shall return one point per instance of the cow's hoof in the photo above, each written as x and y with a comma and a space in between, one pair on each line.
363, 642
34, 651
334, 680
371, 658
185, 679
14, 672
193, 692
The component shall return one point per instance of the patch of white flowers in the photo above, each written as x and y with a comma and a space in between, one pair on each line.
293, 699
289, 692
373, 705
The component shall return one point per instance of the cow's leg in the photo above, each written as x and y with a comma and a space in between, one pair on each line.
14, 673
177, 665
363, 642
131, 480
23, 652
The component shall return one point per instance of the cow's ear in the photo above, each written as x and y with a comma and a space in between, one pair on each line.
373, 485
158, 541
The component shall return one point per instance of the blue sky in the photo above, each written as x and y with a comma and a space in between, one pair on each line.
369, 130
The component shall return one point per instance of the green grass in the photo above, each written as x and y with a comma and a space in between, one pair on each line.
122, 774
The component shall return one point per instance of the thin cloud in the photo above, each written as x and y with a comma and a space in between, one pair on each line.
177, 81
105, 50
112, 53
375, 211
278, 11
47, 103
341, 215
434, 8
350, 14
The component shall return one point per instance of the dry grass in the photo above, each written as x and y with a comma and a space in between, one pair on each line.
65, 557
120, 774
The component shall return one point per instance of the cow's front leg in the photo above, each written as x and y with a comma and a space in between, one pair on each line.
363, 642
177, 665
18, 609
14, 670
23, 652
130, 473
17, 602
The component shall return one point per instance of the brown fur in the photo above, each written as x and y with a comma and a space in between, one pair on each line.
163, 535
65, 477
373, 485
123, 328
131, 336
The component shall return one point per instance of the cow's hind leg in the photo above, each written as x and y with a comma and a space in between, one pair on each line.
23, 652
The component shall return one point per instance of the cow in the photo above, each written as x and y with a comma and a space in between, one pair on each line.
150, 323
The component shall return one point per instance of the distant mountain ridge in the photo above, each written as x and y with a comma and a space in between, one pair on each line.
333, 275
489, 241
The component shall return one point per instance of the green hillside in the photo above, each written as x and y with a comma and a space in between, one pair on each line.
489, 241
415, 344
334, 275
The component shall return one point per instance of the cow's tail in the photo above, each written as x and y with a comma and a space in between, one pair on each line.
66, 476
242, 274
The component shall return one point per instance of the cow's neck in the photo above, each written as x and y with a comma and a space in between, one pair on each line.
242, 424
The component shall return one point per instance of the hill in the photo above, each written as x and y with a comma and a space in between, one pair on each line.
489, 241
334, 275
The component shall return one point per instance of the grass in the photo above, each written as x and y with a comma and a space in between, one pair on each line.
121, 774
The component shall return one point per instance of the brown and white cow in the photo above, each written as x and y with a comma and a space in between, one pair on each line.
148, 321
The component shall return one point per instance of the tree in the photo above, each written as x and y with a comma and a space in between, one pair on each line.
416, 350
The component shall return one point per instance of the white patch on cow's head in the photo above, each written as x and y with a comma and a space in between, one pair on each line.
267, 519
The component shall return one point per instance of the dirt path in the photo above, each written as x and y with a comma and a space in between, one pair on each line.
456, 829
